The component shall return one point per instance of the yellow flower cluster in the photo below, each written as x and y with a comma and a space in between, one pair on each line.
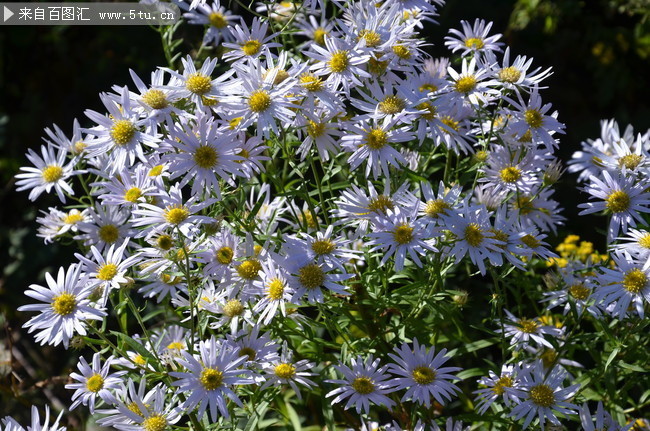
569, 250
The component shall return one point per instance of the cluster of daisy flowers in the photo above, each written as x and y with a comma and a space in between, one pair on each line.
614, 170
244, 200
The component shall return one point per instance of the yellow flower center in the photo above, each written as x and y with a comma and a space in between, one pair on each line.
372, 38
381, 204
618, 201
259, 101
311, 82
528, 326
436, 207
164, 242
542, 395
132, 194
198, 84
175, 345
451, 123
466, 84
500, 235
524, 204
285, 371
423, 375
247, 351
429, 88
510, 174
403, 234
233, 308
579, 292
122, 132
315, 129
249, 269
64, 304
391, 105
339, 61
107, 272
251, 47
108, 233
501, 384
533, 118
211, 378
140, 360
154, 423
473, 234
72, 218
155, 171
176, 215
155, 98
474, 43
530, 241
95, 383
635, 280
548, 357
217, 20
276, 289
205, 157
644, 241
363, 385
509, 74
402, 51
311, 276
323, 246
630, 161
376, 139
377, 67
430, 110
224, 255
52, 173
319, 35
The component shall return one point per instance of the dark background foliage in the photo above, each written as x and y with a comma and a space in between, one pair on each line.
599, 51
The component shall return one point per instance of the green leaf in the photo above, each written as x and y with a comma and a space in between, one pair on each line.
611, 357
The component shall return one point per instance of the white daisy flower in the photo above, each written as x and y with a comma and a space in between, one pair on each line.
56, 223
50, 171
94, 381
308, 278
420, 373
531, 118
216, 17
473, 235
470, 85
626, 287
210, 377
372, 141
543, 395
205, 153
517, 74
473, 39
498, 386
119, 134
636, 242
274, 290
198, 85
249, 43
75, 145
401, 235
129, 188
105, 226
175, 213
521, 332
341, 61
65, 307
624, 198
10, 424
284, 371
364, 383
